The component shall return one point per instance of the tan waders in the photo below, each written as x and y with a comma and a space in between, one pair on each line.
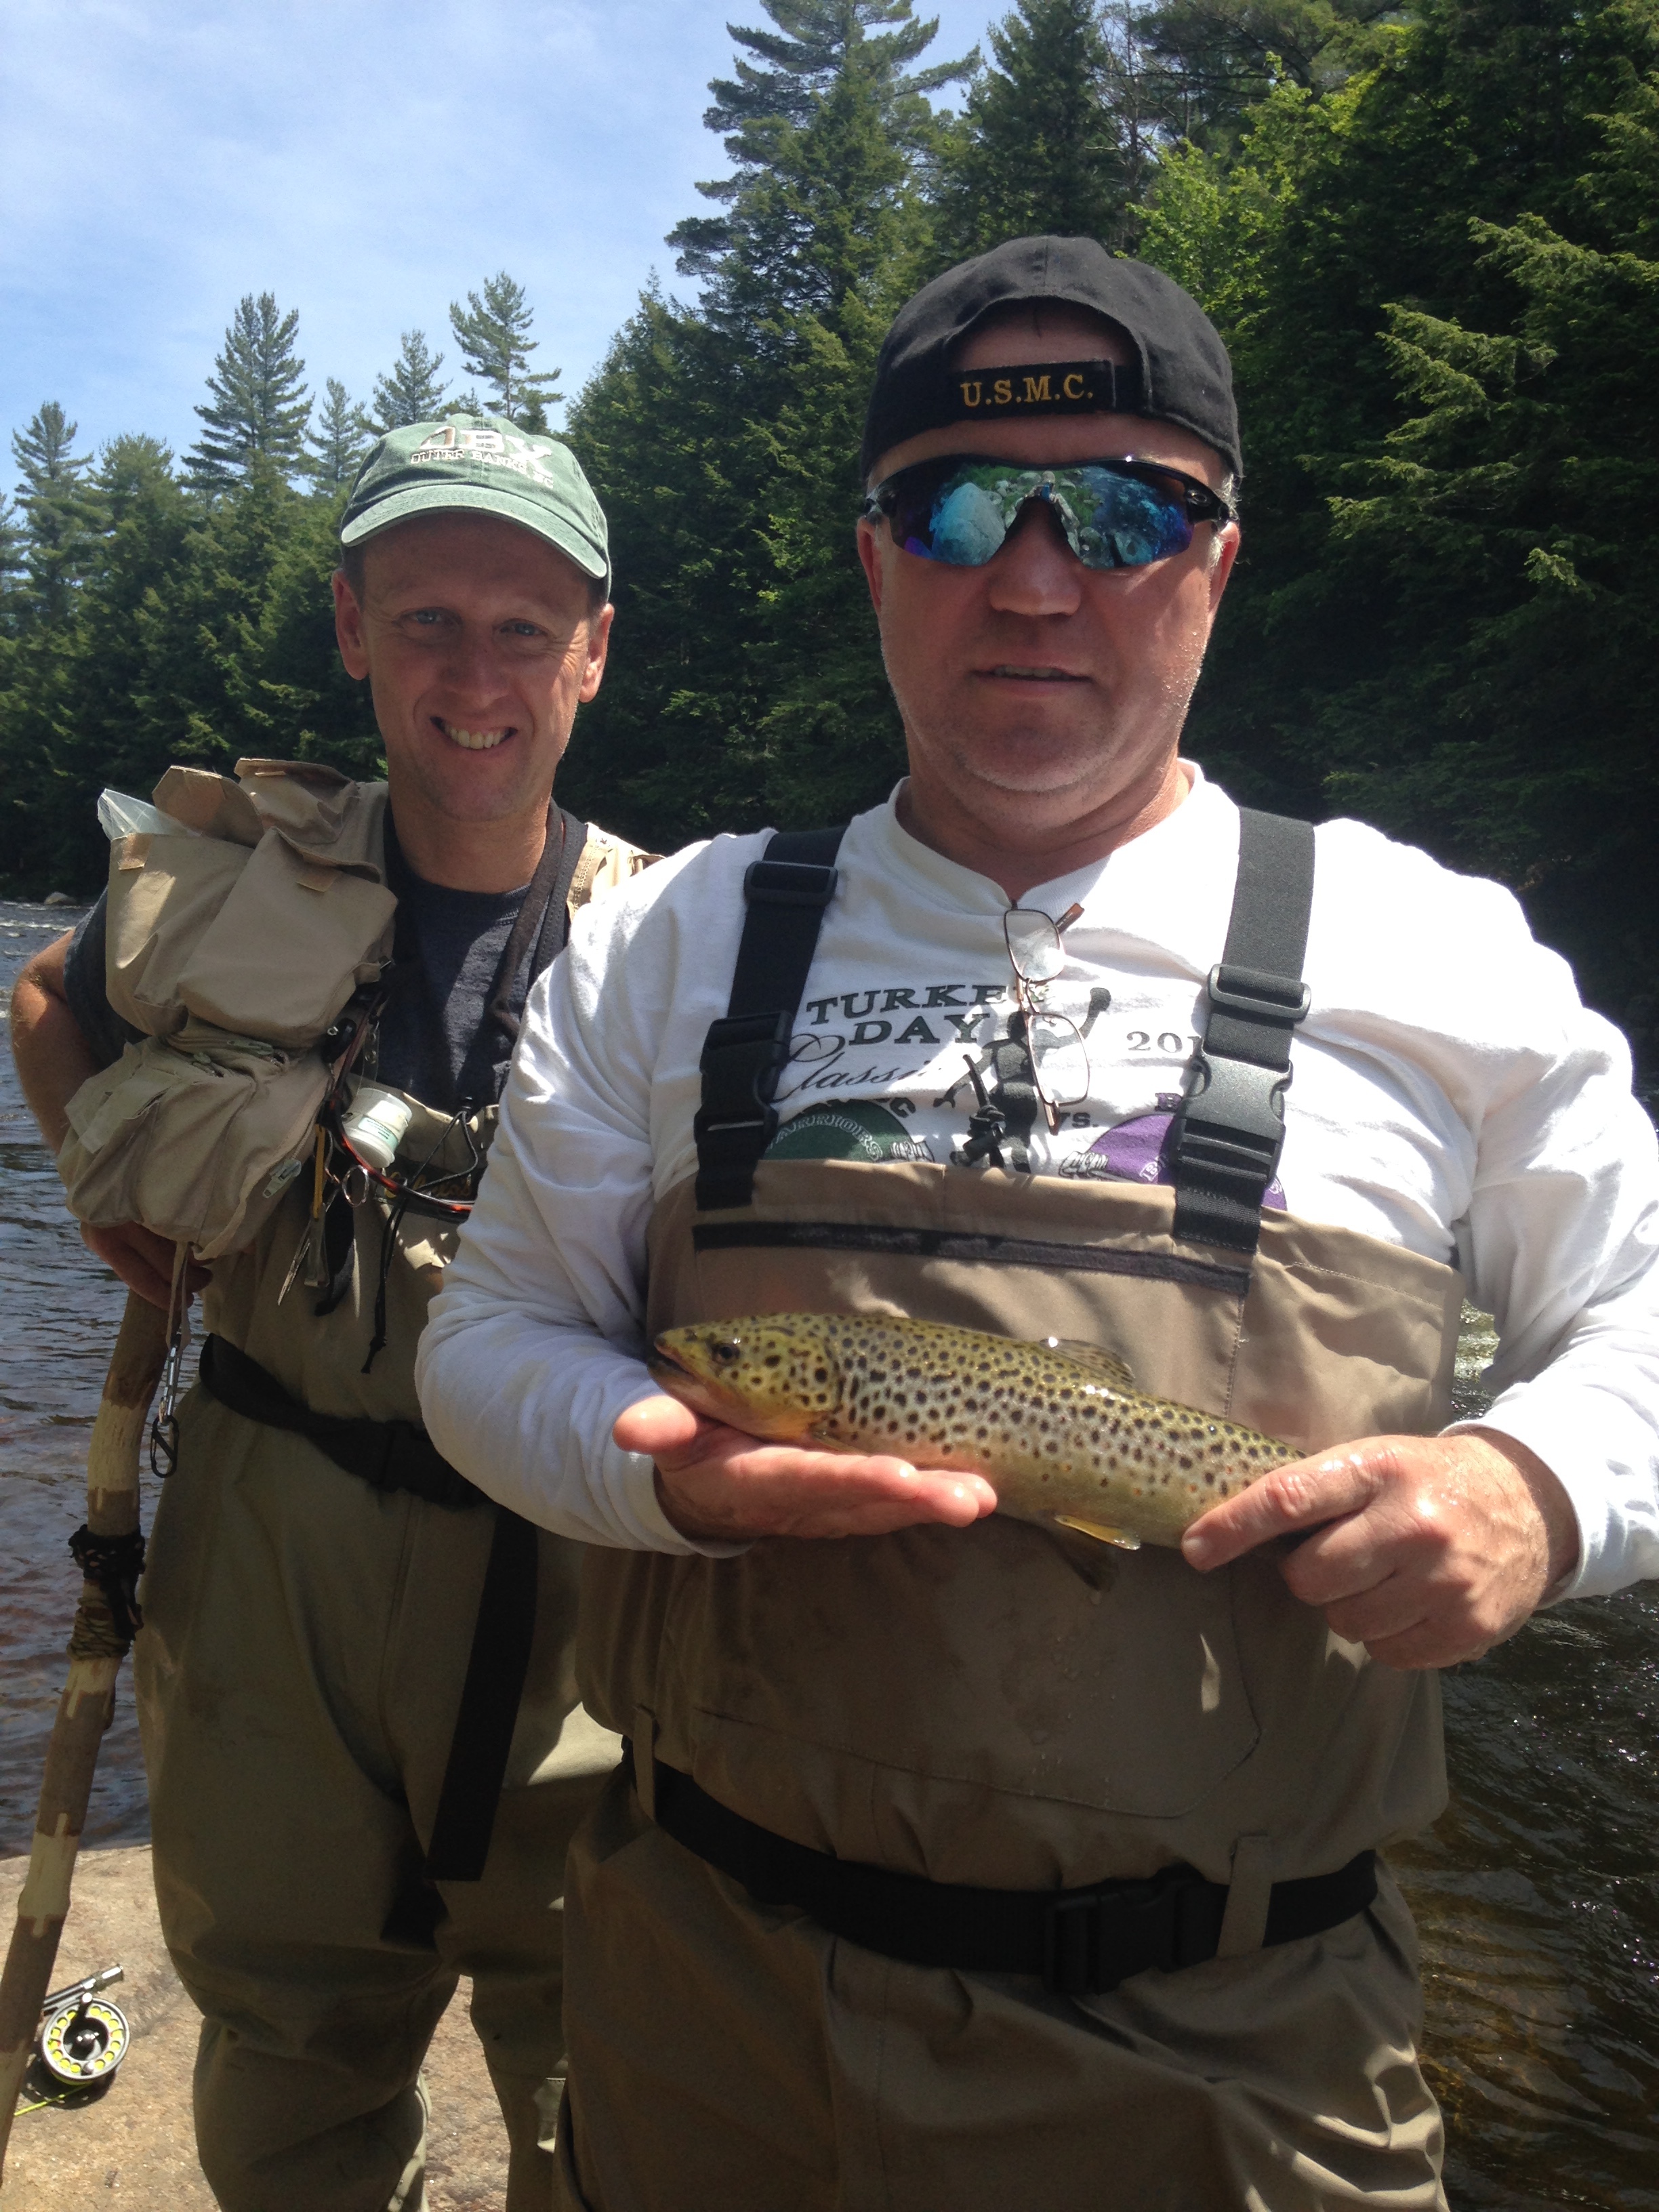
301, 1668
330, 1656
300, 1675
1011, 1709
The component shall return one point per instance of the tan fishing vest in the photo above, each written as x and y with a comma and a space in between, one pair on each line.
231, 943
1003, 1705
234, 949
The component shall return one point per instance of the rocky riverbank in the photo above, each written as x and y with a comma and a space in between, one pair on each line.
133, 2147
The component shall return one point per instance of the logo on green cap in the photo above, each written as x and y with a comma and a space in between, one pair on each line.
485, 466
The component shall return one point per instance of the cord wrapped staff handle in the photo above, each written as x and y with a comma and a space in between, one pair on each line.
110, 1550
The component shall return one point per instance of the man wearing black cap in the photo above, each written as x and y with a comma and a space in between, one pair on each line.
965, 1862
346, 1652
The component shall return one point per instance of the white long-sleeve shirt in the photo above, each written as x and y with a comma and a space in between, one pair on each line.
1449, 1093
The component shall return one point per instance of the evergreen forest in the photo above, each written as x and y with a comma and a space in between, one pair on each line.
1429, 233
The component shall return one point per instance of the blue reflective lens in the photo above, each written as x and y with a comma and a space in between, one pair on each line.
1114, 516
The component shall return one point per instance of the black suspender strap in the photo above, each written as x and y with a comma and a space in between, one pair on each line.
785, 892
1231, 1129
495, 1669
540, 928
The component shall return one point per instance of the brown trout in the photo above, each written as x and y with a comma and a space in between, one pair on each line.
1059, 1429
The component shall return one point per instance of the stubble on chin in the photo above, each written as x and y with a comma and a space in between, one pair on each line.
463, 794
1048, 779
1029, 761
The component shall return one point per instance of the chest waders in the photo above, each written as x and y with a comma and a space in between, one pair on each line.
1000, 1748
396, 1455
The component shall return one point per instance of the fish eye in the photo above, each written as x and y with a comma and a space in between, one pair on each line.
726, 1352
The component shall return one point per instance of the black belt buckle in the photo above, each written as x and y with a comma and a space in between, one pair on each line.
1093, 1939
1070, 1944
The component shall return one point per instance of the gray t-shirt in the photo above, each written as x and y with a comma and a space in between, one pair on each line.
449, 945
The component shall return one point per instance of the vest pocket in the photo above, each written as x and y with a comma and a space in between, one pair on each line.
198, 1145
1039, 1667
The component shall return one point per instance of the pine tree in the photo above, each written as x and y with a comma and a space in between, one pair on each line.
724, 440
494, 336
12, 565
339, 440
659, 432
827, 139
257, 402
410, 391
132, 470
76, 693
1039, 146
1209, 64
60, 512
1501, 546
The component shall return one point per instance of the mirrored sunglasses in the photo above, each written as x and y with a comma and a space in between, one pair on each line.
1115, 514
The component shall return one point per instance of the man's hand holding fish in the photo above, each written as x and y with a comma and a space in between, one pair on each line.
718, 1482
1427, 1550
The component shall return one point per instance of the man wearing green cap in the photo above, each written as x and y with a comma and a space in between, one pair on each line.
338, 1629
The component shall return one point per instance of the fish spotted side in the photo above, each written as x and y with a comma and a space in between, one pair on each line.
1059, 1430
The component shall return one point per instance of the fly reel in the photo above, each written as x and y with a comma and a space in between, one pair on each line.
83, 2038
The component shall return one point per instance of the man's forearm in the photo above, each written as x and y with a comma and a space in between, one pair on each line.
53, 1059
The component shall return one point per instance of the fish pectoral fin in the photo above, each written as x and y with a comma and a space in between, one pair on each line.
1101, 1533
1116, 1370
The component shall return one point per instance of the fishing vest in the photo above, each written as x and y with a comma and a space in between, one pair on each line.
234, 949
233, 944
1007, 1705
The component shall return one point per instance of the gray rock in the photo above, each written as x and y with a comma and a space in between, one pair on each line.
57, 898
136, 2141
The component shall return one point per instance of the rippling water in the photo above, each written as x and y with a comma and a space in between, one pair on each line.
1537, 1893
62, 1308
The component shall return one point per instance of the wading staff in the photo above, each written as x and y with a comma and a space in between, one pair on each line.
110, 1552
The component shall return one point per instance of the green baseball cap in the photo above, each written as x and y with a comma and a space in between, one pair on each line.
487, 465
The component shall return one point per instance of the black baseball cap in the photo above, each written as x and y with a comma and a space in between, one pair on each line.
1180, 373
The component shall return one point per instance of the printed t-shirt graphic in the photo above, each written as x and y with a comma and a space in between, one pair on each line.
895, 1058
851, 1129
1136, 1150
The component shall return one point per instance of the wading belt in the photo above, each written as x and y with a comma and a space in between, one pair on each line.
1081, 1941
1226, 1137
385, 1455
392, 1455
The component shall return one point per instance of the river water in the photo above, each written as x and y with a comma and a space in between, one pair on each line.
1537, 1893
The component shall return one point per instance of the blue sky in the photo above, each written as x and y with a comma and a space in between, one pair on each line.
367, 161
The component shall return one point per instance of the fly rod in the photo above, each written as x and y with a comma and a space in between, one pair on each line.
109, 1551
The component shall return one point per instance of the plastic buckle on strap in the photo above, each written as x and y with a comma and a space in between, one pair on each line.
1238, 1115
1258, 997
740, 1052
1095, 1939
788, 882
743, 1057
